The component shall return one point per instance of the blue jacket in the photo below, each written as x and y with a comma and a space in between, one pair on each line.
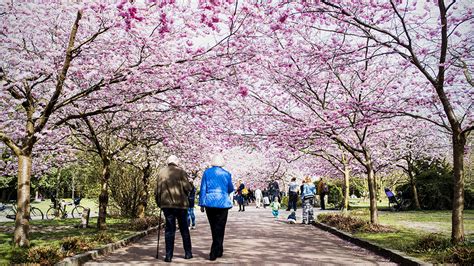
308, 190
216, 185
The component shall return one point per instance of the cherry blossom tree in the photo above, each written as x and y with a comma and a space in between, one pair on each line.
431, 38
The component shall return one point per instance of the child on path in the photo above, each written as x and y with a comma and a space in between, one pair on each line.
292, 218
275, 207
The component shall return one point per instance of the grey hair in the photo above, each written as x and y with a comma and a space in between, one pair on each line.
172, 159
217, 160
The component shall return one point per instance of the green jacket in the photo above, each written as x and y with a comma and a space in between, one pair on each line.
172, 188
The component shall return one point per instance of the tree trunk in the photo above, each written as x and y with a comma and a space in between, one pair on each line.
104, 196
144, 194
372, 190
413, 188
457, 231
22, 226
346, 187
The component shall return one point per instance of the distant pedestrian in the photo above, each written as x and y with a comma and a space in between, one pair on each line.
191, 216
275, 205
216, 185
323, 189
258, 198
292, 194
171, 196
275, 190
240, 195
307, 196
266, 199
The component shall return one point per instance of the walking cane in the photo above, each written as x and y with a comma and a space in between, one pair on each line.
159, 232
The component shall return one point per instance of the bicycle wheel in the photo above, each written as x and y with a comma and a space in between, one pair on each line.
77, 211
11, 214
52, 213
35, 212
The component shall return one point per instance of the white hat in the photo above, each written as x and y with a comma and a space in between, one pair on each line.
217, 160
172, 159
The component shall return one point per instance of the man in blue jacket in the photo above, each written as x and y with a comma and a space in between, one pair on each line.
216, 185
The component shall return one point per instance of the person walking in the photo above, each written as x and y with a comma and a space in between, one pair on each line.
171, 195
240, 195
275, 190
266, 199
292, 194
258, 198
323, 189
191, 216
307, 196
216, 185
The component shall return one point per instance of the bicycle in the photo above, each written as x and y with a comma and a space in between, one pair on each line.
11, 213
56, 211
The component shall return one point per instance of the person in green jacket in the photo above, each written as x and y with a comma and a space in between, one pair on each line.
171, 196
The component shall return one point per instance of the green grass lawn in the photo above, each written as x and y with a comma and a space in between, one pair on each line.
51, 233
414, 227
427, 221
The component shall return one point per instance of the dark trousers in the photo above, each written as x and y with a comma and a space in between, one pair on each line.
241, 201
292, 200
171, 216
321, 197
217, 219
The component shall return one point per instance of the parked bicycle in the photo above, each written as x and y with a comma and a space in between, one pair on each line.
11, 211
58, 209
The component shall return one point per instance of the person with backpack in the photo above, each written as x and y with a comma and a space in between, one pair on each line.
307, 196
323, 189
242, 191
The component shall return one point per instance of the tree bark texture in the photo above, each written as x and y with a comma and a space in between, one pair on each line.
413, 186
104, 196
144, 194
372, 189
22, 227
346, 186
457, 230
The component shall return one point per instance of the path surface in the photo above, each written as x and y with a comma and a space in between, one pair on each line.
252, 237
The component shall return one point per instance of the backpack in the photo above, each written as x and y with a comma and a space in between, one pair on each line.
325, 188
245, 191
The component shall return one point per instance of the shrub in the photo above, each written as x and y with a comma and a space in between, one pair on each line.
443, 251
44, 255
141, 224
352, 224
103, 238
284, 201
75, 244
434, 185
19, 255
462, 254
335, 195
431, 242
